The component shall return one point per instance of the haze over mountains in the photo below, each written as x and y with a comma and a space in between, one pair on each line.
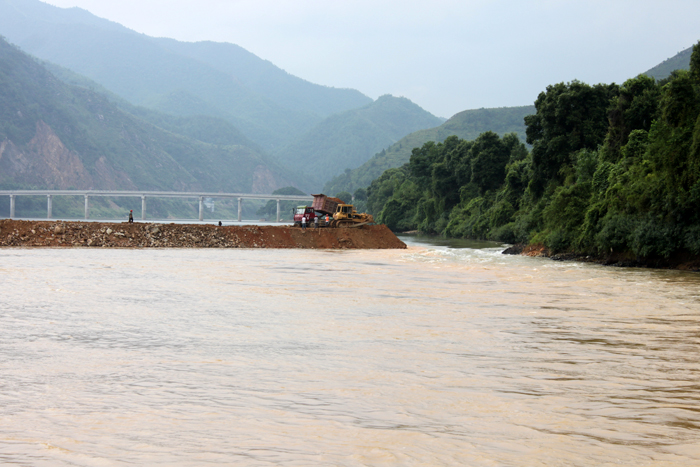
143, 112
346, 139
165, 75
466, 125
277, 112
53, 135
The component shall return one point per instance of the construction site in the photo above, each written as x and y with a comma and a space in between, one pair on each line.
24, 233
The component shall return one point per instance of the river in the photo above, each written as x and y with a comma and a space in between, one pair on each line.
441, 354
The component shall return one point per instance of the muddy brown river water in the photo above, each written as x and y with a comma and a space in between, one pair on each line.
422, 357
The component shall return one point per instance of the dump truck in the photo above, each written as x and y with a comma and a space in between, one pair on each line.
344, 215
325, 204
304, 212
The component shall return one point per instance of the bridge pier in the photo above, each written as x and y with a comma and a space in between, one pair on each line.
143, 207
240, 206
201, 208
12, 206
278, 210
87, 207
49, 206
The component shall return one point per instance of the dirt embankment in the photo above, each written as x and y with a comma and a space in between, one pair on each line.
154, 235
684, 262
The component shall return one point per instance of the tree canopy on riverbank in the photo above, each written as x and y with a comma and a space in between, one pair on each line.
612, 168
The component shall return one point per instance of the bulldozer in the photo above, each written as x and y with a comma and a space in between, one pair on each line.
346, 216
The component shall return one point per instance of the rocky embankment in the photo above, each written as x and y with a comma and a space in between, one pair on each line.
16, 233
682, 262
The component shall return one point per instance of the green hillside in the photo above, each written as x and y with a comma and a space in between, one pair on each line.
53, 135
169, 76
613, 173
350, 138
466, 125
680, 61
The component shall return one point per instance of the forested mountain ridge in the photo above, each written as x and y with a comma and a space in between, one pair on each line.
614, 172
267, 104
680, 61
348, 139
53, 135
467, 125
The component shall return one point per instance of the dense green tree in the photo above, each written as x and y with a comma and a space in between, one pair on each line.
384, 187
612, 170
569, 117
635, 108
345, 196
360, 194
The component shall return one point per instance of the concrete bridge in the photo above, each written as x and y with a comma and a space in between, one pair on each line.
147, 194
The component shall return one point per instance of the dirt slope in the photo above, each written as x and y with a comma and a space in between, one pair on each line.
153, 235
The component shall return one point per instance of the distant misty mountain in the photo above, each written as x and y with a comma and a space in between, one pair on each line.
205, 128
680, 61
466, 125
54, 135
348, 139
270, 106
264, 78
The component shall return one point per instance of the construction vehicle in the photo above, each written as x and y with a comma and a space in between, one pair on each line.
325, 204
304, 212
344, 215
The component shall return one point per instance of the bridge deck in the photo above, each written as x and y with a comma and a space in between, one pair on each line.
147, 194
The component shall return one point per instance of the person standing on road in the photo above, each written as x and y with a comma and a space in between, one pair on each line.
303, 222
131, 216
316, 222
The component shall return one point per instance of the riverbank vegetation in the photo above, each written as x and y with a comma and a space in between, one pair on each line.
612, 168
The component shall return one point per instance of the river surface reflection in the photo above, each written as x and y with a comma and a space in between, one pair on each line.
430, 356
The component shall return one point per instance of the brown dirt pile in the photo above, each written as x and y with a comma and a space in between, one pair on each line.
153, 235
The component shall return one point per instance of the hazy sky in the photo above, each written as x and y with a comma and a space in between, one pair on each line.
445, 55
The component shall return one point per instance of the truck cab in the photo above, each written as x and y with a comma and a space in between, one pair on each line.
304, 212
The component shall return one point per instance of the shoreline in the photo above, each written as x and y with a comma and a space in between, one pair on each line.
678, 262
81, 234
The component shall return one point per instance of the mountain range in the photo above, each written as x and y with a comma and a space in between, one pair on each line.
54, 135
348, 139
467, 125
267, 104
268, 109
143, 112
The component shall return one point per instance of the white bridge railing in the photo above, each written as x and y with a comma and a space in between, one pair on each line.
146, 194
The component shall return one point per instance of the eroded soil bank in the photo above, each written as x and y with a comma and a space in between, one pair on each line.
17, 233
681, 262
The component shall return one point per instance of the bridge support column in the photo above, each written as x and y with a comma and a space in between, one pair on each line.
240, 208
278, 210
201, 208
87, 207
49, 206
143, 207
12, 206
